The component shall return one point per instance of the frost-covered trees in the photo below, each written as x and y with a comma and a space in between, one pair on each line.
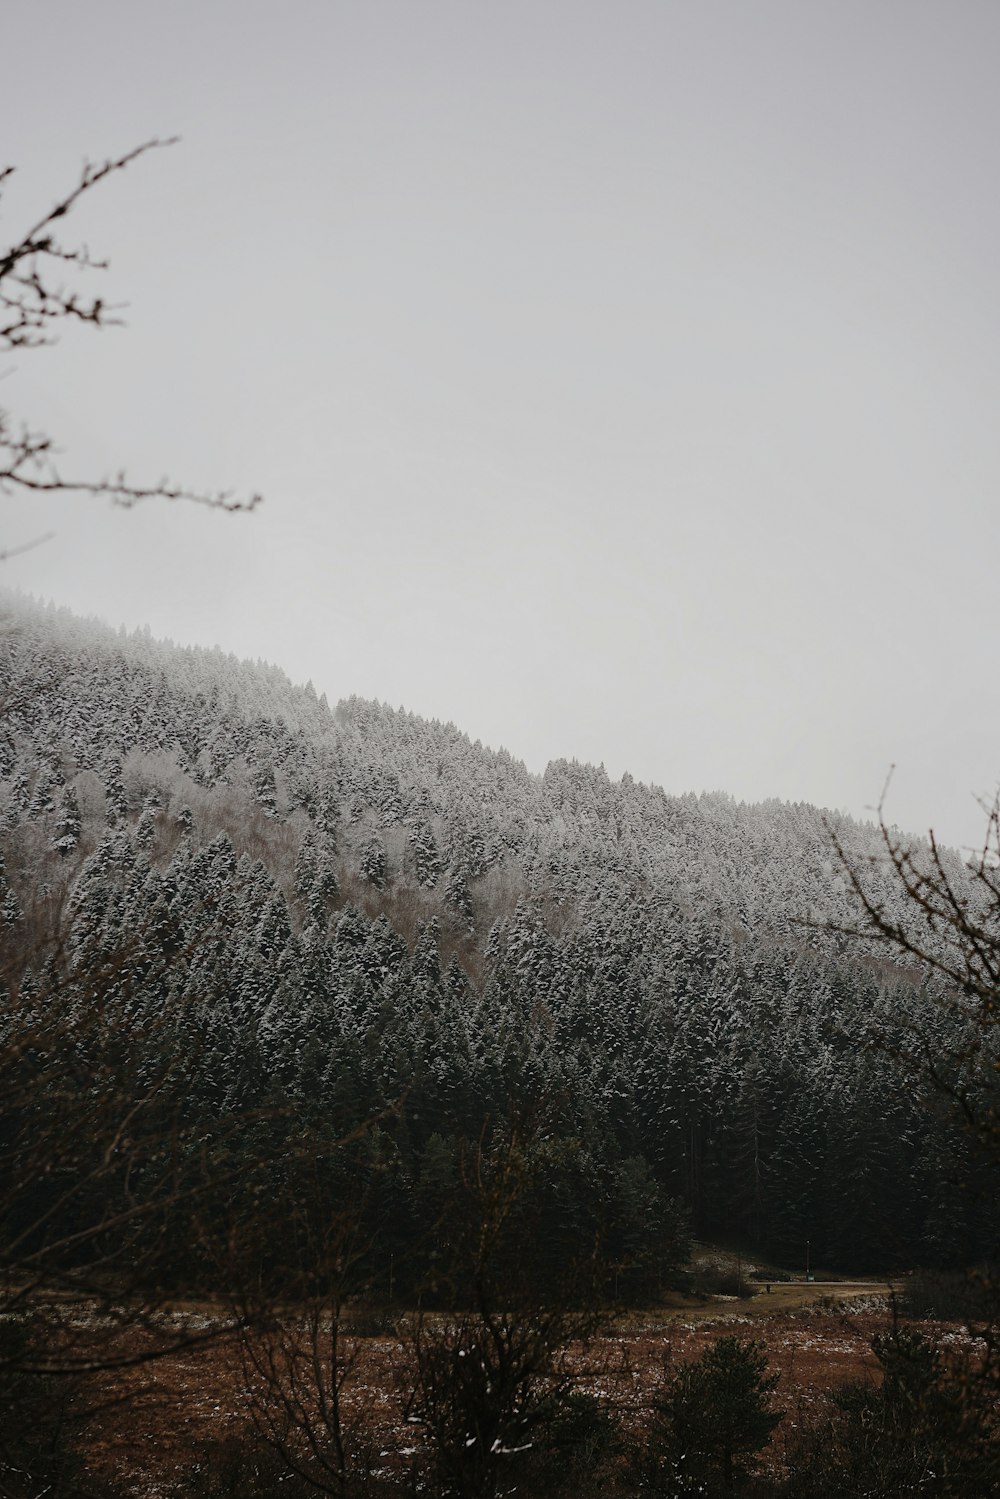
68, 824
372, 863
345, 911
425, 854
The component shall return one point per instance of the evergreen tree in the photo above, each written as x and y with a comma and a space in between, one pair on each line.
711, 1418
425, 853
372, 863
69, 824
457, 895
266, 791
116, 807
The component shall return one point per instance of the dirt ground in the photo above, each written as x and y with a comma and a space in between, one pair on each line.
817, 1337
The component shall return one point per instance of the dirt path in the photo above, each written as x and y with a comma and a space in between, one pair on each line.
784, 1296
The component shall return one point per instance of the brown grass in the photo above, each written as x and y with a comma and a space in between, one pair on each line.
817, 1337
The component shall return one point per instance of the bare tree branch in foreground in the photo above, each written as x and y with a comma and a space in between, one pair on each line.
34, 302
941, 916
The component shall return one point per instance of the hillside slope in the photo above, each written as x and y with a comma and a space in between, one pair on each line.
351, 908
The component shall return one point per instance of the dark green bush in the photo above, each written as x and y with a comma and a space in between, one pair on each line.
952, 1295
709, 1421
928, 1428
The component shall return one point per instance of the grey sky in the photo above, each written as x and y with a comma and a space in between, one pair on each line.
622, 377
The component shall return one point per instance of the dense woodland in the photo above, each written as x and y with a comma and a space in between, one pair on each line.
355, 925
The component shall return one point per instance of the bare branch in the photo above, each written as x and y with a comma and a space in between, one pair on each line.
920, 903
32, 305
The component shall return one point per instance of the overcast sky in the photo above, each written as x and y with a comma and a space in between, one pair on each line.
622, 376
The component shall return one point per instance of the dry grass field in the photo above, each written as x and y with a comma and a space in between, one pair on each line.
164, 1416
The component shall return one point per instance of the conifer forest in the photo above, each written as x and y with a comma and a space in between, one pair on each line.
386, 1113
330, 1011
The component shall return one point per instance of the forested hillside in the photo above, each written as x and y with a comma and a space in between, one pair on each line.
349, 914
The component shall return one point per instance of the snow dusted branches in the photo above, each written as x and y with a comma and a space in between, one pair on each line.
936, 910
34, 301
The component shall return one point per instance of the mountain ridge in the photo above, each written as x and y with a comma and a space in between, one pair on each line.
337, 909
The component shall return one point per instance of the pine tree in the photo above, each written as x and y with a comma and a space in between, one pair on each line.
711, 1419
266, 791
10, 908
48, 782
145, 830
457, 895
372, 863
425, 853
69, 825
116, 807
